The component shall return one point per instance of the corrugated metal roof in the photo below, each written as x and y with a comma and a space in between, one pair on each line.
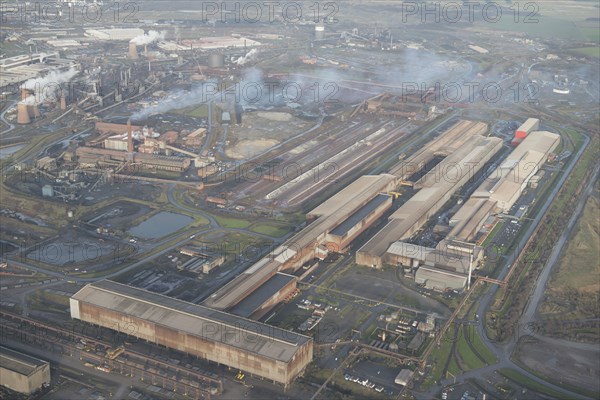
404, 220
265, 340
440, 279
531, 123
360, 214
19, 362
250, 304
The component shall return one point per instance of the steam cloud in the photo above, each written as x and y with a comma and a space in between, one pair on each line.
46, 87
250, 56
150, 37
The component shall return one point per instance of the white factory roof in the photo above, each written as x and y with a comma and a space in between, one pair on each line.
220, 42
469, 218
437, 188
195, 320
369, 183
434, 278
114, 34
403, 377
529, 124
524, 161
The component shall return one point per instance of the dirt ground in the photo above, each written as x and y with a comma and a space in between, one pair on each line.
569, 363
383, 286
249, 148
267, 125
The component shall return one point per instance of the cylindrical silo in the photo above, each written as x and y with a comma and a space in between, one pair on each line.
319, 32
216, 60
133, 54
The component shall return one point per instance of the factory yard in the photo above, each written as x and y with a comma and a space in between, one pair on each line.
548, 357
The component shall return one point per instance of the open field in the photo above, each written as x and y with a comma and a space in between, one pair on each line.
270, 229
574, 287
522, 380
579, 267
201, 111
588, 51
235, 223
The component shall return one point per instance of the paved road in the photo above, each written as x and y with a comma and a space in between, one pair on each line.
504, 350
532, 306
2, 117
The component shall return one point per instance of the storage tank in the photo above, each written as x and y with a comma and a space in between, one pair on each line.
133, 54
47, 191
319, 32
216, 60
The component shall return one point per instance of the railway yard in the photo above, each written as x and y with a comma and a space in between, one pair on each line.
329, 209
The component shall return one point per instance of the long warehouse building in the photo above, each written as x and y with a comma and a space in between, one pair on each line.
256, 348
352, 210
460, 159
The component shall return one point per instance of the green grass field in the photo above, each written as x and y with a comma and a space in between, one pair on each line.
483, 350
200, 112
469, 359
579, 267
588, 51
270, 229
234, 223
591, 33
546, 26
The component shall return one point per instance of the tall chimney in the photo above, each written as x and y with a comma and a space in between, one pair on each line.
129, 141
63, 102
23, 114
36, 111
133, 54
145, 50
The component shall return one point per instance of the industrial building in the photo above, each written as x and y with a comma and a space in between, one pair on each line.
449, 265
306, 244
22, 373
510, 179
532, 124
342, 235
114, 33
209, 43
261, 301
437, 172
118, 149
255, 348
14, 70
93, 156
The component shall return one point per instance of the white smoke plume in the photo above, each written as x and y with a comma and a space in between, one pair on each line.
47, 88
29, 100
207, 91
250, 56
150, 37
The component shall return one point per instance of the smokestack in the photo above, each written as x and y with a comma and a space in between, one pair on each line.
129, 141
133, 54
23, 114
63, 102
36, 111
145, 50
